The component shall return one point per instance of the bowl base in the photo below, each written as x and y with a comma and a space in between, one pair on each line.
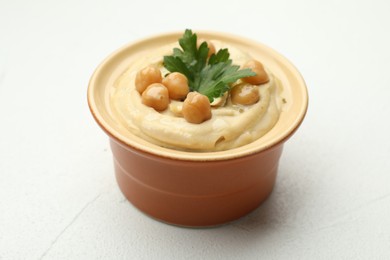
194, 211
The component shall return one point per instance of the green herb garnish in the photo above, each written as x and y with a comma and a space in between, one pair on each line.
211, 77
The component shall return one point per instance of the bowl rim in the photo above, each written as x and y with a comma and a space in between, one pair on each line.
155, 150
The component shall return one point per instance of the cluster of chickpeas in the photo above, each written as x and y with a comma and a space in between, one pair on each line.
156, 91
246, 93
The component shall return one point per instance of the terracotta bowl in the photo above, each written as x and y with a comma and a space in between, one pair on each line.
192, 188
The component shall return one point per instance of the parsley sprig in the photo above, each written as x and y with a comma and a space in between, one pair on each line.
211, 77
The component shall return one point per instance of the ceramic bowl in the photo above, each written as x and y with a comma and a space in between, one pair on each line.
197, 189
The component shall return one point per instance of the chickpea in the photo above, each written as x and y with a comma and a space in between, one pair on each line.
261, 76
245, 94
196, 108
177, 85
156, 96
147, 76
209, 44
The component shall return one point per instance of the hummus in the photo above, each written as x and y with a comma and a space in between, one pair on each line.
230, 125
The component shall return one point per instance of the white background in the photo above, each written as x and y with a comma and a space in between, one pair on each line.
58, 195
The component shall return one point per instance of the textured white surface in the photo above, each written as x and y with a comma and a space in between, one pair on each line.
59, 199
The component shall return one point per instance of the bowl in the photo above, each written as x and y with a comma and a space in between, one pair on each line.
196, 189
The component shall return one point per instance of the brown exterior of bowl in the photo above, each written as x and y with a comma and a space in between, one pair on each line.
192, 193
192, 188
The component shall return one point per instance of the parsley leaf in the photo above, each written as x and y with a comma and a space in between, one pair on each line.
211, 77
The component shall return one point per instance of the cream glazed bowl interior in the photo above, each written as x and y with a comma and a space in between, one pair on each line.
196, 188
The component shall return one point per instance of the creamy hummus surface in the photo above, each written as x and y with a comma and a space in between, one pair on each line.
230, 125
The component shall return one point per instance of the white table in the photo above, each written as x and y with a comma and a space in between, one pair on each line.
59, 198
